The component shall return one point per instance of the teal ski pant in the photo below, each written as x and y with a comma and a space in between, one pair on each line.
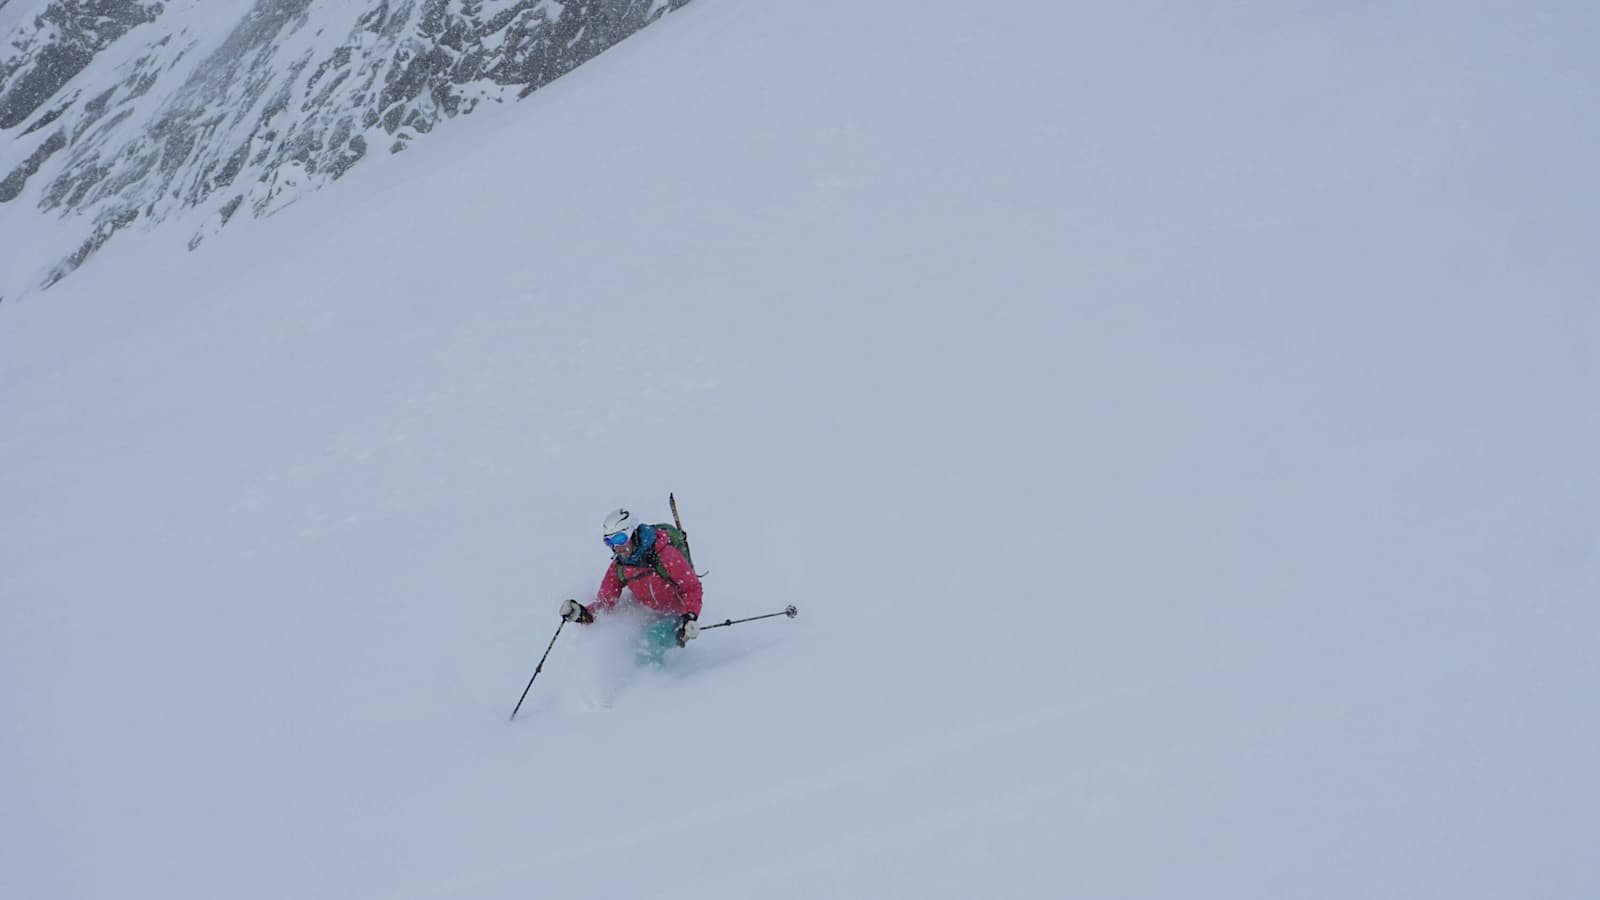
654, 641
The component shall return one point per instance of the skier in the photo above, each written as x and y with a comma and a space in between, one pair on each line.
658, 576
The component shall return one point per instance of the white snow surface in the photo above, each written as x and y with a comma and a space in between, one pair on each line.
1176, 425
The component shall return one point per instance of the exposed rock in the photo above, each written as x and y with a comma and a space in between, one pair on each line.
12, 185
244, 120
63, 40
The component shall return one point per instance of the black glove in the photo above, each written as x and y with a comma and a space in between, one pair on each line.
688, 629
573, 611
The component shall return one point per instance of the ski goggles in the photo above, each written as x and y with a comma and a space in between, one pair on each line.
616, 540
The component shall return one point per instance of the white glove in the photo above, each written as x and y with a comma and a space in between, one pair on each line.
688, 629
573, 611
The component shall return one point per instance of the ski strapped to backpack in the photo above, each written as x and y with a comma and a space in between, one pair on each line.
672, 501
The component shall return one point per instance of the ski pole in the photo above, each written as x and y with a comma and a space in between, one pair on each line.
789, 611
538, 670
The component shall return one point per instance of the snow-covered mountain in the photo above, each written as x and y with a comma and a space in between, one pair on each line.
1174, 423
117, 112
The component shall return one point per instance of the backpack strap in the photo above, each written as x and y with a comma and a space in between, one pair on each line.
653, 562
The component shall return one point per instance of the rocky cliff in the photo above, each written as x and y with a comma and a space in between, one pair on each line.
117, 112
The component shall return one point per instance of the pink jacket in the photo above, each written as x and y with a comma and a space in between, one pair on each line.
649, 588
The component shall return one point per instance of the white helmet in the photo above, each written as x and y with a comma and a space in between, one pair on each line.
620, 520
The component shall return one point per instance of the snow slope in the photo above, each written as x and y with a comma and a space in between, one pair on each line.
1174, 424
